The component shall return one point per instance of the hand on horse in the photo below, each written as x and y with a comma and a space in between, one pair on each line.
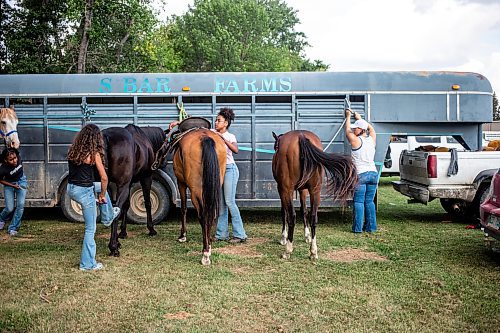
173, 124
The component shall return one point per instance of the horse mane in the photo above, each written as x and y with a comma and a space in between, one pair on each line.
156, 136
8, 112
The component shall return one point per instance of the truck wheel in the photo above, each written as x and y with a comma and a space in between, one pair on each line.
71, 209
160, 203
481, 195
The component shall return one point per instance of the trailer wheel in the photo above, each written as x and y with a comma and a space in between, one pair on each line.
160, 203
71, 209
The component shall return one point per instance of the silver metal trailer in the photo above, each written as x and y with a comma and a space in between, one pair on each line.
51, 110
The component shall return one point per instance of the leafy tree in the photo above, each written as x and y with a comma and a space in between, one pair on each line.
240, 35
33, 32
496, 107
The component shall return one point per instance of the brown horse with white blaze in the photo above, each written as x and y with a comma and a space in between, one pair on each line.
298, 165
200, 165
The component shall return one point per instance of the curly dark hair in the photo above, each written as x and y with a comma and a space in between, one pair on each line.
228, 114
7, 152
88, 141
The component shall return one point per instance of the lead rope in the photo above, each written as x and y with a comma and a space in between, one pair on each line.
86, 112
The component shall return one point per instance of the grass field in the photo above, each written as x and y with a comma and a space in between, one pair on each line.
419, 273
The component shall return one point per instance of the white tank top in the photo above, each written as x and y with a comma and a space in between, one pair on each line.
232, 139
364, 156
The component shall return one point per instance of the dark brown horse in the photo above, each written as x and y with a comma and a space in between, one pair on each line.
130, 152
298, 165
200, 165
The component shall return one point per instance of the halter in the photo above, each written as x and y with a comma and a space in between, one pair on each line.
4, 135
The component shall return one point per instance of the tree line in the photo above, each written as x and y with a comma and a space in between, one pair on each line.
96, 36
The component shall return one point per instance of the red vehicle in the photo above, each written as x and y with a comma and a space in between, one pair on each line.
490, 209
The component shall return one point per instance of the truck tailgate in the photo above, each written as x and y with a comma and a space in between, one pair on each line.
413, 166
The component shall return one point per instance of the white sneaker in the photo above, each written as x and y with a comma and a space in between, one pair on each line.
116, 212
97, 267
13, 233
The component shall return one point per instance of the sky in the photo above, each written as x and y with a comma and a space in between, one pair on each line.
397, 35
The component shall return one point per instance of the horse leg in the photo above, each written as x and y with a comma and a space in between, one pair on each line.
146, 192
284, 228
207, 248
123, 225
315, 200
114, 244
303, 212
182, 191
287, 205
123, 191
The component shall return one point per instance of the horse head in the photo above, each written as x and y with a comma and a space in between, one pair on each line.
8, 127
160, 155
276, 141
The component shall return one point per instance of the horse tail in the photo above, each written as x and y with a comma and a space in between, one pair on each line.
340, 170
211, 192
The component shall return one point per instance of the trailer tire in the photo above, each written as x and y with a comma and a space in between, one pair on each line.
160, 203
71, 209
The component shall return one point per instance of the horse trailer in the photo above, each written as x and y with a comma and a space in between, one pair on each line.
52, 107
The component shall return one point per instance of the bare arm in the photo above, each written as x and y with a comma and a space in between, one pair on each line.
351, 137
6, 183
371, 130
104, 177
233, 146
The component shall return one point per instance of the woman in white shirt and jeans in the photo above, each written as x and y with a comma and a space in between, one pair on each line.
228, 204
363, 156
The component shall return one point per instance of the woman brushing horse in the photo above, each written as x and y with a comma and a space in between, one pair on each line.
298, 165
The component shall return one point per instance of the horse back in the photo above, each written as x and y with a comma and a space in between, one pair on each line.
287, 159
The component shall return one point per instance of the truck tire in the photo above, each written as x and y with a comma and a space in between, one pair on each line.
481, 195
160, 203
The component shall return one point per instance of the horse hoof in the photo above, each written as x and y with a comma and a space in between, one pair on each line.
308, 240
122, 235
283, 241
152, 233
205, 261
285, 256
313, 257
119, 246
115, 253
182, 239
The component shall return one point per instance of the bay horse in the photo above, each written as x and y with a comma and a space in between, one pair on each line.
8, 127
200, 165
298, 165
130, 152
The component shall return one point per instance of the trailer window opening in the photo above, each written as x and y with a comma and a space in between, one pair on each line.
157, 100
273, 99
25, 101
234, 99
197, 99
65, 100
110, 100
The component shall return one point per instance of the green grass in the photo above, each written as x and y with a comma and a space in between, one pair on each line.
438, 277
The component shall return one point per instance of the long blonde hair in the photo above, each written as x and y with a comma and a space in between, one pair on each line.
87, 142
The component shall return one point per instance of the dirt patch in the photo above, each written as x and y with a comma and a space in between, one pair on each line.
246, 249
17, 238
350, 255
181, 315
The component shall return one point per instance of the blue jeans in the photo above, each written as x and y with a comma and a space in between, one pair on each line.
9, 193
228, 205
85, 196
363, 202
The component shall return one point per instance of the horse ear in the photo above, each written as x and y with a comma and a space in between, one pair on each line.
275, 136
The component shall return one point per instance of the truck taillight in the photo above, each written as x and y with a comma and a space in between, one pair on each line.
432, 166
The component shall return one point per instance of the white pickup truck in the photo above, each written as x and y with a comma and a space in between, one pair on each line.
425, 176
